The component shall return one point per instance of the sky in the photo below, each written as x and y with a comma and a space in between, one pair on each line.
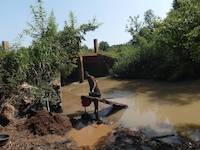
113, 14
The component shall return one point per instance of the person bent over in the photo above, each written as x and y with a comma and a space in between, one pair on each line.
94, 91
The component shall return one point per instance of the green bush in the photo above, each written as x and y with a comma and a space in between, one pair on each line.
50, 53
166, 49
10, 75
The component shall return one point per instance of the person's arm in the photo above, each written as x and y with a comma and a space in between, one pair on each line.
95, 84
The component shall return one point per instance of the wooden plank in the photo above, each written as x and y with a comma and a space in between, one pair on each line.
103, 100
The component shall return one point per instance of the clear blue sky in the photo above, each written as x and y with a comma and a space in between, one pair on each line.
14, 14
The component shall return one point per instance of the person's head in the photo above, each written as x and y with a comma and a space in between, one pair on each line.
87, 75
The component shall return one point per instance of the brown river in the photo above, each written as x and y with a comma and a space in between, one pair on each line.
155, 107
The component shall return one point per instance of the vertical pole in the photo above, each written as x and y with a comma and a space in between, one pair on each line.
96, 45
5, 45
81, 69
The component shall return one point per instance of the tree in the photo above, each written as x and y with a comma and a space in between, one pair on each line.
103, 45
167, 49
72, 35
38, 26
49, 52
44, 53
51, 31
150, 19
85, 48
134, 27
142, 31
176, 4
70, 39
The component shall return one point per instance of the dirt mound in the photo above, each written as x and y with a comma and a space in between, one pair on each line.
7, 114
21, 139
43, 123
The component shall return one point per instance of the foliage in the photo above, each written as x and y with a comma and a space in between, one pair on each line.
134, 27
176, 4
166, 49
51, 51
116, 51
70, 41
37, 28
44, 52
103, 45
10, 75
84, 48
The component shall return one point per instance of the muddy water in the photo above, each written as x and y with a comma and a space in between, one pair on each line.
88, 136
156, 107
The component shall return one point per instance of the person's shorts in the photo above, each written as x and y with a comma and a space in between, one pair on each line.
95, 94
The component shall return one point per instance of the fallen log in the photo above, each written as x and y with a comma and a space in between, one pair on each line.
105, 101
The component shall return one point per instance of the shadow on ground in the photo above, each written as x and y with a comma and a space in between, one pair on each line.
82, 119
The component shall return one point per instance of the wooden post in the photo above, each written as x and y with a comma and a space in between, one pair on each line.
81, 69
96, 45
5, 45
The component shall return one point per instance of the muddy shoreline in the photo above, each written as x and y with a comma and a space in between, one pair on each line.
156, 108
122, 138
150, 122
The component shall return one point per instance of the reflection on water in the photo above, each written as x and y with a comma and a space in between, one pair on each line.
118, 94
136, 117
156, 107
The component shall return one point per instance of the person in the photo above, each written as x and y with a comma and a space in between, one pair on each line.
94, 91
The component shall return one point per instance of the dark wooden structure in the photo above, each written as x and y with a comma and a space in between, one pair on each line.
5, 45
82, 61
96, 46
96, 64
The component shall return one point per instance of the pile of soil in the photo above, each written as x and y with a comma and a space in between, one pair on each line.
43, 123
127, 139
22, 139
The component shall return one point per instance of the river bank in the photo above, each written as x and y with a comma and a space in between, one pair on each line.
160, 115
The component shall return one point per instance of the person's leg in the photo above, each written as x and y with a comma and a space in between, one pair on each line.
99, 121
96, 112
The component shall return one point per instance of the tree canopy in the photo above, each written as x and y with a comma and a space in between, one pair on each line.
51, 51
166, 49
103, 45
